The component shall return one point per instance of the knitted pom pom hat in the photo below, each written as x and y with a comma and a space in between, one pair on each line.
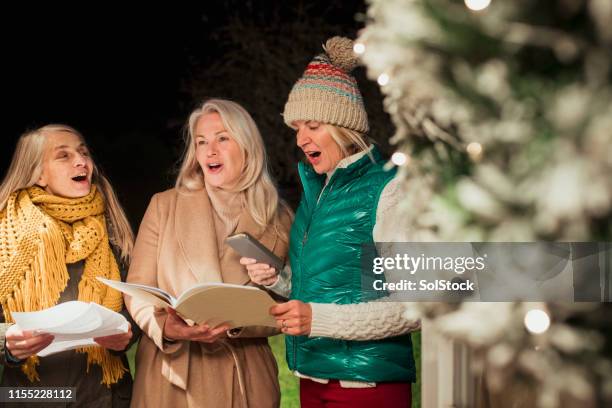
327, 92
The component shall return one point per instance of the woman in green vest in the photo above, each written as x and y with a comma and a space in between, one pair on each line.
349, 348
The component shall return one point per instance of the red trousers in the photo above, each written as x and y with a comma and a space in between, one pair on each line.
331, 395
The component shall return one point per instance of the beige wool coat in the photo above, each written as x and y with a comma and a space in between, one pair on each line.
176, 248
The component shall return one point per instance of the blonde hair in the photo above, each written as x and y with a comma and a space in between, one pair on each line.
350, 141
260, 195
26, 168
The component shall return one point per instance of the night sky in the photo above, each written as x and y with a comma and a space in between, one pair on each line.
123, 77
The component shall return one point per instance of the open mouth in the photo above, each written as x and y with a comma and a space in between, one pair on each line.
80, 178
214, 167
313, 156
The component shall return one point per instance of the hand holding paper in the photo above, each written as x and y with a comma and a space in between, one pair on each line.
23, 344
74, 324
117, 342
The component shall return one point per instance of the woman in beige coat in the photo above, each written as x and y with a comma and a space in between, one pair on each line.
223, 188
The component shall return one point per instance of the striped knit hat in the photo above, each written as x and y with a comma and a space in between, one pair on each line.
327, 92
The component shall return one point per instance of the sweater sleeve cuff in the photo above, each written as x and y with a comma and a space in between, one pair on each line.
6, 357
275, 286
10, 360
324, 320
282, 286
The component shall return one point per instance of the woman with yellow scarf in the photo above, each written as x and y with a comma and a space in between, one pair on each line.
61, 227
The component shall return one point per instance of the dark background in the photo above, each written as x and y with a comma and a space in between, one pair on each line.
128, 78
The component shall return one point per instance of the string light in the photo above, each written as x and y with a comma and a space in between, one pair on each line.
399, 159
477, 5
537, 321
359, 48
474, 150
383, 79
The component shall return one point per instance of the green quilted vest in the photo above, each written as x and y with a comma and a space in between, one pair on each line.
325, 253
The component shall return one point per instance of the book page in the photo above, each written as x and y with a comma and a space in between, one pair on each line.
149, 294
236, 305
205, 286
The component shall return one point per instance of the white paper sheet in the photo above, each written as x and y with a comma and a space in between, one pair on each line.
73, 324
155, 296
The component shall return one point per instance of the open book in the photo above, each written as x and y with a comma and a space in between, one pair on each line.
210, 303
74, 324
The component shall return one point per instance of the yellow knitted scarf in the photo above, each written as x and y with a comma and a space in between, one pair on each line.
39, 234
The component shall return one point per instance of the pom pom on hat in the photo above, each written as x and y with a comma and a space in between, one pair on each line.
340, 53
327, 92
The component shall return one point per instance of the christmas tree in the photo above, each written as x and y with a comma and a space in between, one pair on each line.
503, 116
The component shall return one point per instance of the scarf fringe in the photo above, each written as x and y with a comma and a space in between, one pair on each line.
38, 290
29, 368
44, 279
112, 366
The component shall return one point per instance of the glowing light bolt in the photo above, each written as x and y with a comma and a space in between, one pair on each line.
359, 48
537, 321
383, 79
399, 158
477, 5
